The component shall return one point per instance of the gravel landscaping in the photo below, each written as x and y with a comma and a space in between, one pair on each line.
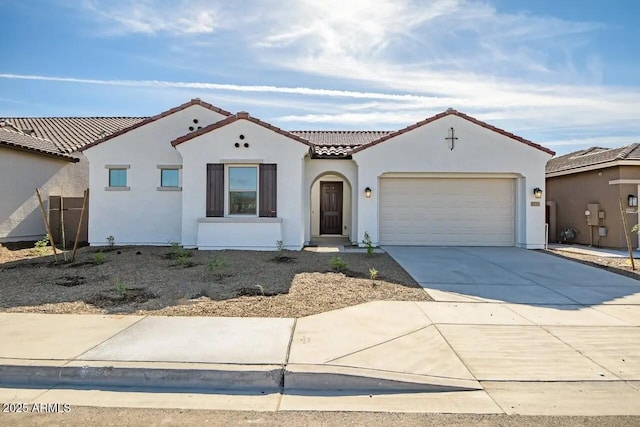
173, 281
620, 266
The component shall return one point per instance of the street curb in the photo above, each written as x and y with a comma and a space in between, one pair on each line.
222, 377
331, 377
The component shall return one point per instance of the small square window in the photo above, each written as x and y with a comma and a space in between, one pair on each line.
117, 177
169, 178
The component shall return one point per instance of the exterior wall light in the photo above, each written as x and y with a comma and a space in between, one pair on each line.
537, 192
632, 200
367, 192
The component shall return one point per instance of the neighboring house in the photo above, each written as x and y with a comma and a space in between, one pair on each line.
207, 179
41, 153
595, 176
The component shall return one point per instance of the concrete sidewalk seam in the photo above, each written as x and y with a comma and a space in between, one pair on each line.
377, 344
107, 339
286, 362
576, 350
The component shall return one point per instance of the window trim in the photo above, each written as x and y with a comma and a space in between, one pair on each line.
163, 168
110, 187
227, 190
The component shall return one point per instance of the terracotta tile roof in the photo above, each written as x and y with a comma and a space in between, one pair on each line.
194, 101
592, 156
337, 143
69, 133
11, 138
241, 115
340, 137
448, 112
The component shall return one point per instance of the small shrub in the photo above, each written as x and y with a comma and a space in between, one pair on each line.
367, 242
373, 273
121, 288
40, 247
280, 254
338, 264
216, 263
111, 241
261, 288
183, 260
98, 258
177, 251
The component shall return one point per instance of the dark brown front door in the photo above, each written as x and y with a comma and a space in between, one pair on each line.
330, 208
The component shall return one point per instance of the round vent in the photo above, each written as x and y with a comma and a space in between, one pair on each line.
246, 145
195, 121
237, 144
191, 128
241, 137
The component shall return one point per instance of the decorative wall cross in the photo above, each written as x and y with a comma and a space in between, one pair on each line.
451, 138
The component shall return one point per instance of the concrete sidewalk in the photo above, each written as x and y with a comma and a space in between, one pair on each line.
477, 357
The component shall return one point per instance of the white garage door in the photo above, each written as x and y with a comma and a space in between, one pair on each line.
447, 212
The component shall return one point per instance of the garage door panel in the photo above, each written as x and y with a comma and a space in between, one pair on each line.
470, 212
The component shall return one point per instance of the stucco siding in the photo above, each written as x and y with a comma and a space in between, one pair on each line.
477, 152
143, 214
264, 146
20, 174
317, 170
573, 192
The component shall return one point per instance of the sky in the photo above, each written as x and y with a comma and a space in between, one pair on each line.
562, 73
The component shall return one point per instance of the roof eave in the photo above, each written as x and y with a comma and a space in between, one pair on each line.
595, 166
463, 116
195, 101
242, 115
61, 156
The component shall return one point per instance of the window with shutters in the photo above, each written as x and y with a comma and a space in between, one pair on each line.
241, 190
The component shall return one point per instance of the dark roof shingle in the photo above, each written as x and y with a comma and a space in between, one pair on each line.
592, 156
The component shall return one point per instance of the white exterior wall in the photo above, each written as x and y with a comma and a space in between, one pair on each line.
21, 172
478, 151
317, 170
265, 146
143, 215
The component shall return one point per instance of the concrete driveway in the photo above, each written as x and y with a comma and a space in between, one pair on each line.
512, 275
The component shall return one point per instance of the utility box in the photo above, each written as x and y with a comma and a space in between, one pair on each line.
602, 231
592, 217
601, 214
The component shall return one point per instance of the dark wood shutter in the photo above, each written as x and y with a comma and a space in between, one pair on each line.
215, 190
268, 190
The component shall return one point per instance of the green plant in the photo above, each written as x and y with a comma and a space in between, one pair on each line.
337, 263
216, 263
280, 246
367, 242
183, 259
111, 241
178, 251
261, 288
40, 247
121, 288
373, 273
98, 258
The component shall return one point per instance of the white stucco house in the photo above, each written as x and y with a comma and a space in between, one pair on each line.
41, 152
209, 179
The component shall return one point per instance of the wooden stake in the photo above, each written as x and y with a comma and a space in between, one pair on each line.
46, 224
75, 243
63, 236
627, 234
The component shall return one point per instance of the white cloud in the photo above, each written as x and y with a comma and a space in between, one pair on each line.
121, 17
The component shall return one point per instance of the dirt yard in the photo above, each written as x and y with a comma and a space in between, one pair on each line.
615, 265
177, 282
